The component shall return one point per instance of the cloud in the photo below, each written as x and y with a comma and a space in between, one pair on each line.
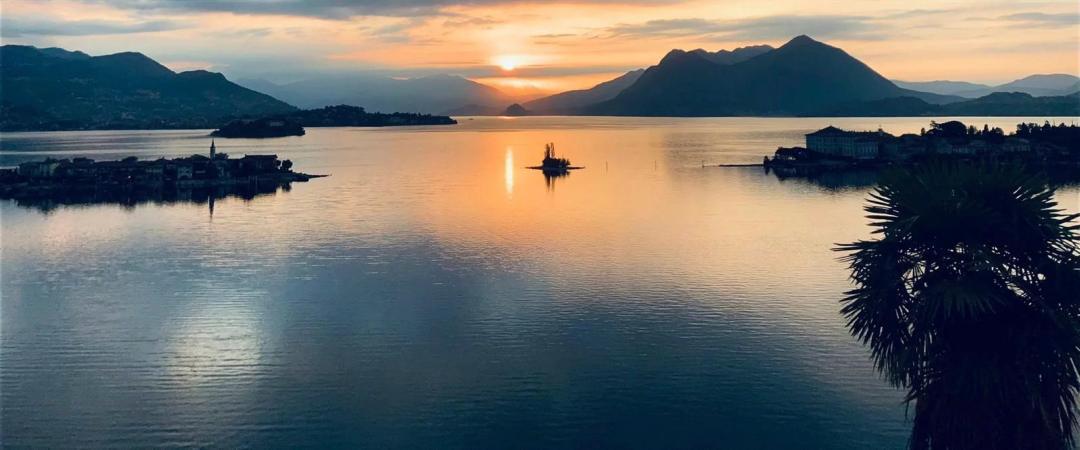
1045, 19
483, 22
18, 27
758, 28
328, 9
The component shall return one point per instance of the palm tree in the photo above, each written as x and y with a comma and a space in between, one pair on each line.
969, 298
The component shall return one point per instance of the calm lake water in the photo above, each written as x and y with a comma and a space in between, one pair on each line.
434, 293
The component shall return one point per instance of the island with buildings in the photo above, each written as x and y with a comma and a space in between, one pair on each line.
83, 180
293, 123
831, 149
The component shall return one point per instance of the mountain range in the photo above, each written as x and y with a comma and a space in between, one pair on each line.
437, 94
56, 89
802, 77
1042, 85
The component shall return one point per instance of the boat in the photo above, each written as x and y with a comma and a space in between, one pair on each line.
552, 163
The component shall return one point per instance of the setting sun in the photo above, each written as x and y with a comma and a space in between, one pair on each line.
507, 63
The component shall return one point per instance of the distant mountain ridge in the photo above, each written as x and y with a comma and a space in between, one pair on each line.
1039, 85
57, 89
570, 101
995, 104
802, 77
437, 94
736, 56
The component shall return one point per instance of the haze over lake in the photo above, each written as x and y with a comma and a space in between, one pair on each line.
432, 292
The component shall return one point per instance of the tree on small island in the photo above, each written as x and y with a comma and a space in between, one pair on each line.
968, 299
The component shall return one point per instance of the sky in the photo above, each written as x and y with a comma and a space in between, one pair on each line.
523, 45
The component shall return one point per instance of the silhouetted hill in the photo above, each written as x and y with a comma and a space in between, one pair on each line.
943, 87
1043, 85
1017, 104
802, 77
55, 89
1051, 85
516, 110
996, 104
570, 101
437, 94
57, 52
736, 56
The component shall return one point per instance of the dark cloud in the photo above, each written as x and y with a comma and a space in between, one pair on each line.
18, 27
329, 9
758, 28
1045, 19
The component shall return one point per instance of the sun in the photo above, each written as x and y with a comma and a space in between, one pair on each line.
507, 63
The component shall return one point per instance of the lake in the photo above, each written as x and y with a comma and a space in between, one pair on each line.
433, 292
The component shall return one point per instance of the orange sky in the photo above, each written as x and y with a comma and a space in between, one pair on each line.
551, 47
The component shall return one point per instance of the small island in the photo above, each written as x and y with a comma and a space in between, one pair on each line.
552, 163
82, 177
293, 123
516, 110
260, 129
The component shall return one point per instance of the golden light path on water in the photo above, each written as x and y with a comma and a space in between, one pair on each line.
509, 171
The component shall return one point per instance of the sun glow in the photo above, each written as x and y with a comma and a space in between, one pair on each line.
508, 63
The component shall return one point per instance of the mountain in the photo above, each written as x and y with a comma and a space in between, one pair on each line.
568, 102
738, 55
995, 104
438, 94
56, 89
1043, 85
802, 77
1035, 85
943, 87
1017, 104
516, 110
571, 101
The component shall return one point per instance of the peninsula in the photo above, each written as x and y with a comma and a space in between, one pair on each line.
82, 177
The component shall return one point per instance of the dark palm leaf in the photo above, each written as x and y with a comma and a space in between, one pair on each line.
969, 298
